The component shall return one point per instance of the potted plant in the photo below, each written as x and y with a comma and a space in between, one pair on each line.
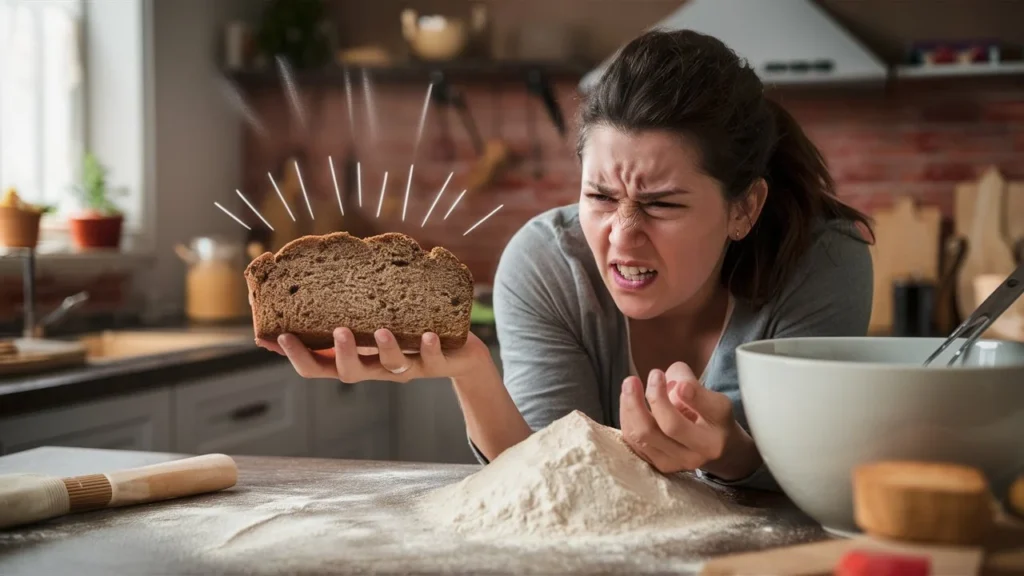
19, 221
100, 222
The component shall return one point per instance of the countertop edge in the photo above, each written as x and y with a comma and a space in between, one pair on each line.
96, 381
32, 393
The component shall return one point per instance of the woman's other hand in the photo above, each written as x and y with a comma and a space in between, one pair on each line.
345, 363
686, 427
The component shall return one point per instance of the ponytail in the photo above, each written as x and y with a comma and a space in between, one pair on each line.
801, 193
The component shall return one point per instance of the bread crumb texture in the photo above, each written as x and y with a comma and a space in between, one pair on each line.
315, 284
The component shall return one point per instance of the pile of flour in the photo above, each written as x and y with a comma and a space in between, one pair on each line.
573, 478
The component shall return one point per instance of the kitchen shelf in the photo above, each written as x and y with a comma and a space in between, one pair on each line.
334, 75
959, 70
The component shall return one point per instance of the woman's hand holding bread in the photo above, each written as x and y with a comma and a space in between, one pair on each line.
345, 362
686, 427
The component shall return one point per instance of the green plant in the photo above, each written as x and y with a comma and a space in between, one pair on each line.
93, 191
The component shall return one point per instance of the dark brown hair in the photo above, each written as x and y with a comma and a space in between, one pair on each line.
694, 85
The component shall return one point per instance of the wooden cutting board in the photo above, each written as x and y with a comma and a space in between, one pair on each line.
1003, 554
982, 215
906, 246
37, 355
1015, 214
821, 558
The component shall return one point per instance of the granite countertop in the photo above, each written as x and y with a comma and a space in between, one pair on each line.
318, 516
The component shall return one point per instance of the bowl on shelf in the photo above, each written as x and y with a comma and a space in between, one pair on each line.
438, 38
818, 407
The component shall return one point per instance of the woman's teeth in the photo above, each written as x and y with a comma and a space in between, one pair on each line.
634, 272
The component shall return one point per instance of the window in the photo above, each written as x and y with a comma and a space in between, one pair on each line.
41, 98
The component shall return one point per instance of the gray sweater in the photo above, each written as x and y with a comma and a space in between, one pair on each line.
564, 344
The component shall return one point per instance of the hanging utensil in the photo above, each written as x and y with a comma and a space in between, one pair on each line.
983, 316
449, 96
537, 83
946, 316
535, 147
496, 154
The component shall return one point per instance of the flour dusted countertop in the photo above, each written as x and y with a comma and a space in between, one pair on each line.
309, 516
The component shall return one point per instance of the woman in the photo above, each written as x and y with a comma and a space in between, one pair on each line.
706, 219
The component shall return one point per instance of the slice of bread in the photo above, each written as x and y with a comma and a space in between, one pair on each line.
315, 284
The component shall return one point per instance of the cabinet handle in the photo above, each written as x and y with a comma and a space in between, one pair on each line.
250, 411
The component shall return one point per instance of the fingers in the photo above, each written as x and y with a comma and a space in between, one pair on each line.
270, 345
642, 432
674, 398
391, 356
430, 354
679, 372
713, 407
349, 366
706, 441
306, 364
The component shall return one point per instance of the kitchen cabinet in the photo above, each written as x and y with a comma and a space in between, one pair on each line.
263, 411
351, 420
260, 411
429, 423
135, 422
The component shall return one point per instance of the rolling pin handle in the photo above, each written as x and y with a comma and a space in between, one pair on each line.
166, 480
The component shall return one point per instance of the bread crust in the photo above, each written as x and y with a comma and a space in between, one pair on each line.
260, 269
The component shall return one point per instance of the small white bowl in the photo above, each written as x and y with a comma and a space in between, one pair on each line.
818, 407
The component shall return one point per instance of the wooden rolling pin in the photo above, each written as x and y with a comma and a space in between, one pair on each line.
28, 498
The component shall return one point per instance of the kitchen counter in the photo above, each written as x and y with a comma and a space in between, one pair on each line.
313, 516
32, 392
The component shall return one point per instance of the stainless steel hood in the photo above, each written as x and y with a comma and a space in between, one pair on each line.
785, 41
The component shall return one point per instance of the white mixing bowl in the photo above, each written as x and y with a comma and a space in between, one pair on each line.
818, 407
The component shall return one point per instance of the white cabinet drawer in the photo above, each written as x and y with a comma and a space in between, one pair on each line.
135, 422
250, 412
342, 412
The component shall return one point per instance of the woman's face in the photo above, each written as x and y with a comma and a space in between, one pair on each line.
656, 224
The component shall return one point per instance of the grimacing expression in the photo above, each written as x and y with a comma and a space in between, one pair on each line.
656, 224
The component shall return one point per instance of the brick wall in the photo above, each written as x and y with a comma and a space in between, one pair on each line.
920, 139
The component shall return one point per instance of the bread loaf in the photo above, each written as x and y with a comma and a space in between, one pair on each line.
926, 502
316, 284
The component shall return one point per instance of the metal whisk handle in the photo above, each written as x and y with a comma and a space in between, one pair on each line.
983, 316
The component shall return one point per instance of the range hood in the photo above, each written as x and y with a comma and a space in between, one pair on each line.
785, 41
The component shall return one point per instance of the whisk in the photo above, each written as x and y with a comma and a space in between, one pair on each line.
983, 316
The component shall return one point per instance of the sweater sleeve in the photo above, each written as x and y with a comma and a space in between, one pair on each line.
545, 366
829, 295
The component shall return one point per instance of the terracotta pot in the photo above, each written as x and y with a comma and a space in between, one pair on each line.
19, 228
94, 231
